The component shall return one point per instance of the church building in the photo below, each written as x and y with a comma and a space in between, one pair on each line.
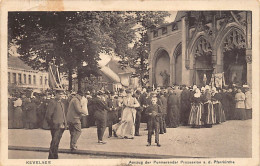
199, 45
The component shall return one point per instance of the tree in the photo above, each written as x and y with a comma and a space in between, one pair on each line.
137, 57
75, 39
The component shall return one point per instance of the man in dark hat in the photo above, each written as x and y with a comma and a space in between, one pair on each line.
73, 117
56, 118
100, 108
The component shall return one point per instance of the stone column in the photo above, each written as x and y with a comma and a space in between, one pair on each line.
185, 79
172, 70
249, 48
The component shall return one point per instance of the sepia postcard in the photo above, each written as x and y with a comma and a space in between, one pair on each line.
141, 82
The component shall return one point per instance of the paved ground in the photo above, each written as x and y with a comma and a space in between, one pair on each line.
14, 154
228, 140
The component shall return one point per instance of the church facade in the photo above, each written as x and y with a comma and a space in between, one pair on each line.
199, 44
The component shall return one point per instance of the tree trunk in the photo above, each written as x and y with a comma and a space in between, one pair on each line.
142, 68
70, 79
79, 79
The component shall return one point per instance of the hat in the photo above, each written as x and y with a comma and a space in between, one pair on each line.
153, 94
194, 87
197, 93
73, 93
202, 88
213, 89
207, 87
138, 92
58, 90
128, 91
245, 86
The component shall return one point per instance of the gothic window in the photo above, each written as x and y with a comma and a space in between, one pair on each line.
202, 47
234, 40
203, 54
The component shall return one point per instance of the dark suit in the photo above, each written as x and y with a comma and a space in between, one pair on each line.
163, 103
153, 122
138, 116
112, 115
100, 115
55, 117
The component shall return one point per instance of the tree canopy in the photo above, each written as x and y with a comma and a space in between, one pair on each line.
75, 39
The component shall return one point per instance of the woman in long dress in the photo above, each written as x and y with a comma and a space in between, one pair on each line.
195, 118
217, 106
18, 118
126, 127
208, 115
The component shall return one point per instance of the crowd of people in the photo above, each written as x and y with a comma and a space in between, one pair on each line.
123, 111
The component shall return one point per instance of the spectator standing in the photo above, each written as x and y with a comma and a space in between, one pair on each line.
248, 102
100, 114
56, 119
240, 105
18, 114
73, 118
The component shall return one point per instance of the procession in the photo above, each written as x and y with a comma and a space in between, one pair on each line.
122, 112
131, 75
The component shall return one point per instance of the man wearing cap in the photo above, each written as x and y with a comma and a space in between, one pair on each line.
56, 118
74, 115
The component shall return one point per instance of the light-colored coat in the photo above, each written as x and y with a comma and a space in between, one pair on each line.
84, 105
74, 110
240, 100
248, 101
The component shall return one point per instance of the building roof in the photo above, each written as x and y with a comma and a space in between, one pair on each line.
116, 67
179, 15
17, 63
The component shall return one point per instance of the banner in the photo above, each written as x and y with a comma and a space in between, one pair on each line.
54, 76
217, 80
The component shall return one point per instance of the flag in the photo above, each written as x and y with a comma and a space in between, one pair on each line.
54, 76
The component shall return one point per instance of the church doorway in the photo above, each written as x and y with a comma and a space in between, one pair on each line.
162, 69
234, 58
204, 70
203, 63
234, 66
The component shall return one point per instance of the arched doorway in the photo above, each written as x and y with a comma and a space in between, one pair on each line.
162, 69
202, 62
178, 65
234, 58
